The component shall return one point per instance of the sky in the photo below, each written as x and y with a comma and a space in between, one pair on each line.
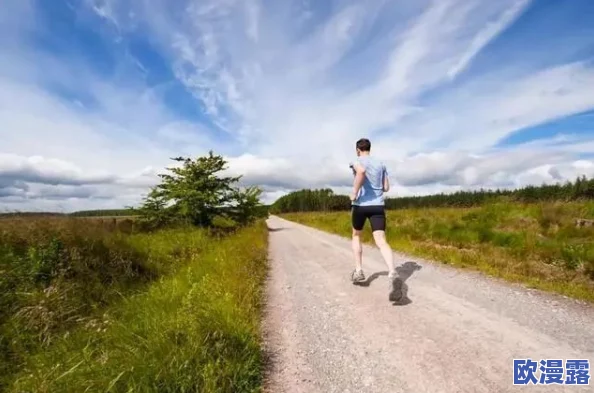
97, 96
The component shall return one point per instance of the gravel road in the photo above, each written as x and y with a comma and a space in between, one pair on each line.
451, 331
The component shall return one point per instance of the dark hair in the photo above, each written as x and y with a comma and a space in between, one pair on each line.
363, 144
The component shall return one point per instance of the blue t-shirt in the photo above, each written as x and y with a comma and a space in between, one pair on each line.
372, 190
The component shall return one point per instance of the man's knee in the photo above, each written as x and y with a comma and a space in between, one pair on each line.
380, 238
356, 232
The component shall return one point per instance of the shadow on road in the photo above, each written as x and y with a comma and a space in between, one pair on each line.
276, 229
399, 292
370, 279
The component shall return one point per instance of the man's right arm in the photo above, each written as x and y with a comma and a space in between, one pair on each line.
359, 179
386, 181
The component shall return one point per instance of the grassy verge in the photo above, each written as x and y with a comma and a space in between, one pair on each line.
537, 244
171, 311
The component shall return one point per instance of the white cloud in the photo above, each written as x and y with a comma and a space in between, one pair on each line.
252, 8
291, 97
494, 169
104, 9
484, 36
488, 110
17, 169
290, 87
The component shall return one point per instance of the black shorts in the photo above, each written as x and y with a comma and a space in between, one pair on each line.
375, 214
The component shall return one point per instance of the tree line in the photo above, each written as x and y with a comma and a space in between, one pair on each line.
326, 200
310, 200
105, 213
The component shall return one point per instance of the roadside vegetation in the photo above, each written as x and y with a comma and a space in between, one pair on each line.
169, 304
540, 236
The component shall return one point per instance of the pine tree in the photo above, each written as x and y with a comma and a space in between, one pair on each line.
195, 194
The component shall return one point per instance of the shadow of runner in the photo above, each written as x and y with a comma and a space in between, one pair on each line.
398, 295
275, 229
370, 279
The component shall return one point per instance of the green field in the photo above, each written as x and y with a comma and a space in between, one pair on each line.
86, 307
535, 244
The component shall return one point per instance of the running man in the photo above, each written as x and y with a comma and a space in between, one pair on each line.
367, 200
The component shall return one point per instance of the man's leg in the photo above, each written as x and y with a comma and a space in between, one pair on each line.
357, 221
357, 249
380, 241
378, 226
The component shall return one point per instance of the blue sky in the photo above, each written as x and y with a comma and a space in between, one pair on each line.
97, 95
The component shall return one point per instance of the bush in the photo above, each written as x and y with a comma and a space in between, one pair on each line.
574, 255
550, 215
589, 264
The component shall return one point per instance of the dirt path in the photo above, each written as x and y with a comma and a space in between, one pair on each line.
452, 330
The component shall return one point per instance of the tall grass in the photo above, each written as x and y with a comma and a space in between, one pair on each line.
537, 244
85, 309
55, 273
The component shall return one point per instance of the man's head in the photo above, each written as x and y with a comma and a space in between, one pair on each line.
363, 146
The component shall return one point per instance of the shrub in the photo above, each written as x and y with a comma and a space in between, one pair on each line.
574, 255
549, 215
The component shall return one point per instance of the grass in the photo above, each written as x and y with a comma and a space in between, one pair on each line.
85, 308
535, 244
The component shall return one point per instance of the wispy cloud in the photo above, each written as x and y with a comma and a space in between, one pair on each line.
489, 32
287, 85
285, 88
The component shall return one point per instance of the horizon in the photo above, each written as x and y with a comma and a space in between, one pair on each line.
447, 193
455, 95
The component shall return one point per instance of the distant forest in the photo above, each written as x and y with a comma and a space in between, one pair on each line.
104, 213
82, 213
326, 200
